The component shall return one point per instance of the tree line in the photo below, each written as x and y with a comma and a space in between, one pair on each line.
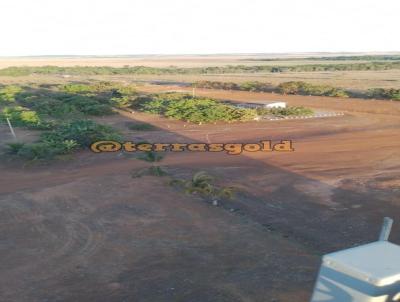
131, 70
301, 88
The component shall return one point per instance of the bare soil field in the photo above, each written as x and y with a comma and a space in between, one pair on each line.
174, 60
352, 80
358, 80
85, 230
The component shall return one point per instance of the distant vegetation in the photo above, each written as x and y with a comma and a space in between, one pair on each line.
254, 86
335, 58
358, 58
301, 88
293, 87
382, 93
106, 70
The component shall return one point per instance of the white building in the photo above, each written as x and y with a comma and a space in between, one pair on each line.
275, 105
268, 105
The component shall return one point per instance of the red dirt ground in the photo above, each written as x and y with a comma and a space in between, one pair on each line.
84, 230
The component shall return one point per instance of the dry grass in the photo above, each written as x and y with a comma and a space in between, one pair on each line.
358, 80
163, 61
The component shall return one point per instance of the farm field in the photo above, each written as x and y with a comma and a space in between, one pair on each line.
180, 60
354, 79
85, 228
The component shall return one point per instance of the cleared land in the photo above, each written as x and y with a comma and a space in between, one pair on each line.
85, 230
358, 80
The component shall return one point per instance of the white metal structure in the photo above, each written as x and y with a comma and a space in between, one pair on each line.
276, 105
367, 273
261, 105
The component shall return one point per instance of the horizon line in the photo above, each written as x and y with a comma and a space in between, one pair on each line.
200, 54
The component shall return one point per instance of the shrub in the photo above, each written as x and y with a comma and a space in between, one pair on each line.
151, 157
23, 117
141, 127
112, 89
41, 150
288, 111
184, 107
83, 132
13, 148
63, 104
217, 85
9, 93
123, 101
203, 184
382, 93
303, 88
107, 70
152, 171
87, 105
65, 139
254, 86
77, 88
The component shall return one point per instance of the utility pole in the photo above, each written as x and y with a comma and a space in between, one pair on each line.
193, 92
11, 128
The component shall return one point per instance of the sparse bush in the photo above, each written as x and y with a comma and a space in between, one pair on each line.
64, 139
77, 88
9, 93
203, 184
141, 127
151, 156
73, 100
83, 132
23, 117
293, 87
288, 111
152, 171
303, 88
253, 86
13, 148
87, 105
106, 70
382, 93
41, 151
217, 85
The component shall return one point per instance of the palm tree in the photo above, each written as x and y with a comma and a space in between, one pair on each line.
202, 183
